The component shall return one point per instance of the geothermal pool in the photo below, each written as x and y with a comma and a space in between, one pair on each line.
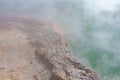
91, 29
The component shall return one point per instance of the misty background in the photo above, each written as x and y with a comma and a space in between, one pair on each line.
91, 28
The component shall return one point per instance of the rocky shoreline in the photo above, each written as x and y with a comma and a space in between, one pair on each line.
31, 50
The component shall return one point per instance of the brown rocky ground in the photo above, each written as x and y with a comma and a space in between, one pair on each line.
31, 50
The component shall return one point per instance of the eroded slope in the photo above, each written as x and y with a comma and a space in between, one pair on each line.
32, 50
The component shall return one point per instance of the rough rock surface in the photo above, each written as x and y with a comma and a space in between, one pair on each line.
31, 50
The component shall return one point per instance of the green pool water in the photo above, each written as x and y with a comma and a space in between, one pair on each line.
104, 62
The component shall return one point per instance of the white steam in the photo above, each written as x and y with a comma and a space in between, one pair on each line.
107, 5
